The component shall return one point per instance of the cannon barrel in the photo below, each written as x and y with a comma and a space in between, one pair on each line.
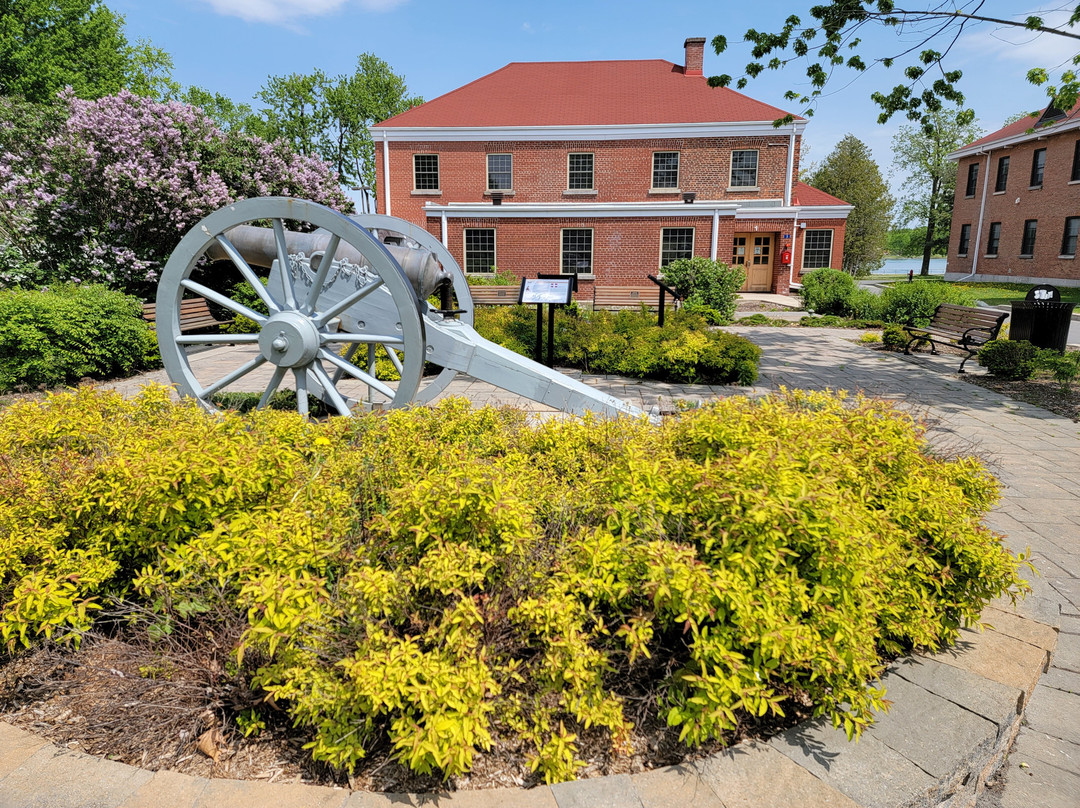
257, 246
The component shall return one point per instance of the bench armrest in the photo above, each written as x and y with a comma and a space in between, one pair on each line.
990, 333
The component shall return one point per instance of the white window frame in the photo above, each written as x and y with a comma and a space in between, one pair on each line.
487, 176
693, 240
465, 251
592, 250
438, 173
592, 172
832, 242
678, 173
731, 170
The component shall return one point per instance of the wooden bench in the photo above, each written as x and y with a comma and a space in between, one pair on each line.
614, 298
962, 326
494, 295
194, 315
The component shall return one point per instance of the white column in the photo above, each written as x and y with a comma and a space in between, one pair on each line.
715, 233
445, 239
386, 172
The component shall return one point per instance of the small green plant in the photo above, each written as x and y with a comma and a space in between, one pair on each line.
250, 723
1009, 359
894, 337
493, 278
705, 284
914, 303
870, 338
761, 319
1064, 367
826, 291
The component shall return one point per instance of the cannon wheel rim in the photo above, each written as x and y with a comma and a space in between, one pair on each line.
430, 388
305, 327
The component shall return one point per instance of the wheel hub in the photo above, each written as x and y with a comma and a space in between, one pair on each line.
289, 339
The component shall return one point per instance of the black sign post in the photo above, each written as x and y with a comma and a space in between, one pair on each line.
554, 290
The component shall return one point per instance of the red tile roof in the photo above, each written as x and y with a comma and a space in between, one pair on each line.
1020, 127
803, 194
649, 91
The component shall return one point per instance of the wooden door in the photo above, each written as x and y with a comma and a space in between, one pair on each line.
753, 251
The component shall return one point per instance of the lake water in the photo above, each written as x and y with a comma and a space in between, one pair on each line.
901, 266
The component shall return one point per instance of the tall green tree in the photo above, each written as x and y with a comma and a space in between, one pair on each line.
46, 45
849, 172
928, 191
831, 39
331, 117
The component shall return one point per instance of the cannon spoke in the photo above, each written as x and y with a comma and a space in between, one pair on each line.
380, 339
349, 354
248, 273
329, 388
228, 379
284, 264
300, 374
320, 278
216, 339
392, 354
354, 298
275, 380
221, 300
357, 373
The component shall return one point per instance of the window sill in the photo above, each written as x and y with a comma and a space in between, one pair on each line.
665, 190
961, 255
1034, 187
427, 192
581, 277
1066, 257
1025, 257
999, 193
1074, 182
988, 255
743, 188
579, 192
969, 196
491, 191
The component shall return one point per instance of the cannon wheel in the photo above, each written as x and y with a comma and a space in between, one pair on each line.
430, 387
297, 336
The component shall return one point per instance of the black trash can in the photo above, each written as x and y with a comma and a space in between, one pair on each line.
1042, 319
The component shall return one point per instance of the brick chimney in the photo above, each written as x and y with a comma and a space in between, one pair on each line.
695, 56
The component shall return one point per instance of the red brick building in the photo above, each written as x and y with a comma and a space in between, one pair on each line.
610, 169
1016, 216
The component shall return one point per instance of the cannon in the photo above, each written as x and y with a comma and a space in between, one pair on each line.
334, 291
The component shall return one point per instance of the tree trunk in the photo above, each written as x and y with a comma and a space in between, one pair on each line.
928, 248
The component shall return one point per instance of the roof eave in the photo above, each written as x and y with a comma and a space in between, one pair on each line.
587, 132
1014, 140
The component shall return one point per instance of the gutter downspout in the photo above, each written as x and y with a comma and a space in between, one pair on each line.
791, 267
386, 172
978, 230
445, 237
789, 180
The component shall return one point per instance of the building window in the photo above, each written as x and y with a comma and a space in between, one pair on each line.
665, 169
480, 249
676, 243
817, 249
994, 239
1072, 230
1038, 165
744, 169
580, 172
500, 172
972, 180
577, 251
1076, 163
965, 239
1027, 245
1002, 175
426, 172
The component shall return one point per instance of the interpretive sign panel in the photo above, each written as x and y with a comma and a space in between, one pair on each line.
546, 290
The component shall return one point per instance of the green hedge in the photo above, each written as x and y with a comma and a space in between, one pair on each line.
629, 343
62, 335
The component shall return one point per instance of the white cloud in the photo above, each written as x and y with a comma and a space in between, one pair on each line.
291, 12
1030, 48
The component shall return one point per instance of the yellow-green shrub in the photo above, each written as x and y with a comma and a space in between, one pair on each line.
436, 577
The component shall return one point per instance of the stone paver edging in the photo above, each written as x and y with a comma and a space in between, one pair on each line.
954, 714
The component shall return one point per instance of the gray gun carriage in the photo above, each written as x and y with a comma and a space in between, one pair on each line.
341, 290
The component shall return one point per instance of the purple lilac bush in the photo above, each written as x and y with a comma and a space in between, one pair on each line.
108, 191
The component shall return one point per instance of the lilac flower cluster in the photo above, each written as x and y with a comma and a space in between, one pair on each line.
106, 198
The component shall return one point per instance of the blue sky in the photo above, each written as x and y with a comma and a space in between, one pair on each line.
232, 46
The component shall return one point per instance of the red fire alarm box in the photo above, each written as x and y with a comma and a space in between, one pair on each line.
785, 257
